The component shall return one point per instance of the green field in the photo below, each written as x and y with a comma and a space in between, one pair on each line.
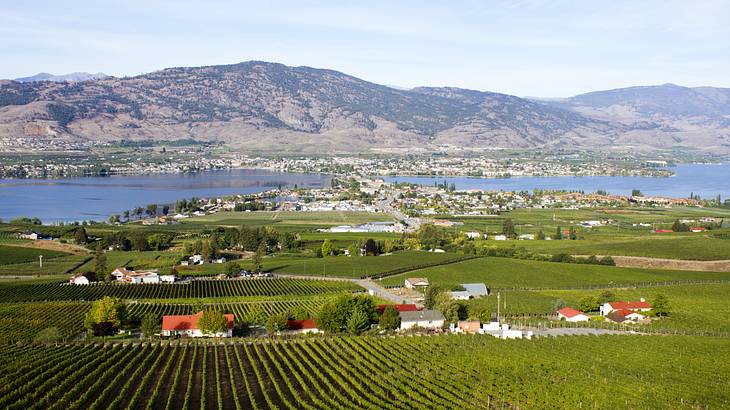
16, 254
369, 372
54, 266
516, 273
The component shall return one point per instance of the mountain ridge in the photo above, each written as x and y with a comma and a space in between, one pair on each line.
259, 105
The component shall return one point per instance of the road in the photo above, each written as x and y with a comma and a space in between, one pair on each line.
372, 287
412, 224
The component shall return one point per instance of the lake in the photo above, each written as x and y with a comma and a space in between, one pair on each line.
96, 198
707, 180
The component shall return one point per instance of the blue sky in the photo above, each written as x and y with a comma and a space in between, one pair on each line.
527, 48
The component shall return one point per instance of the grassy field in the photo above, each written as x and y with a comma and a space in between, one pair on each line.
467, 372
54, 266
515, 273
336, 266
694, 308
16, 254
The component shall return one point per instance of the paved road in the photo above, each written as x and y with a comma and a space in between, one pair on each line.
384, 205
368, 284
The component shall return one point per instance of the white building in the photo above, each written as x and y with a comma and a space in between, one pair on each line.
167, 278
412, 283
79, 279
572, 315
427, 319
500, 237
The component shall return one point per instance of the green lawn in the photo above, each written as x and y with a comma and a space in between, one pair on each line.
516, 273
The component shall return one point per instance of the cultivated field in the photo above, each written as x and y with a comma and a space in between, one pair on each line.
453, 371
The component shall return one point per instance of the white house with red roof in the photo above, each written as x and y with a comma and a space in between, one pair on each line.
624, 316
641, 306
130, 276
572, 315
187, 325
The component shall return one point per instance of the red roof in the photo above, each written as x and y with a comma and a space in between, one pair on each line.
398, 308
301, 324
663, 231
189, 322
629, 305
570, 312
697, 229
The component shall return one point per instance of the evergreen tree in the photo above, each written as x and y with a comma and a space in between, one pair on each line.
326, 248
390, 320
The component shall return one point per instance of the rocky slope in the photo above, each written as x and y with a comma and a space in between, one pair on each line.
272, 107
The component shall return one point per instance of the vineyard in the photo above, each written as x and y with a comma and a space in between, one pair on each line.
370, 372
22, 292
24, 321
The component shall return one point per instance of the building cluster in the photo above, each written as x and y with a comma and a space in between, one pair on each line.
617, 312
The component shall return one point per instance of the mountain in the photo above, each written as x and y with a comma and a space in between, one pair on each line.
264, 106
61, 78
696, 117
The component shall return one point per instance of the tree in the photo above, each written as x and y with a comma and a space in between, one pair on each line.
126, 215
572, 233
197, 247
165, 209
508, 227
150, 325
636, 192
114, 219
431, 295
48, 335
354, 249
607, 260
151, 209
559, 304
357, 322
390, 320
371, 248
80, 236
206, 252
106, 316
679, 226
212, 322
100, 266
232, 269
558, 233
660, 305
541, 235
138, 241
276, 323
328, 318
326, 248
589, 304
258, 257
606, 296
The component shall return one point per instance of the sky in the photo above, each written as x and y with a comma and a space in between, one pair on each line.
547, 48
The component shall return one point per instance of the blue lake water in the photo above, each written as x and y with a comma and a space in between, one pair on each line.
703, 179
96, 198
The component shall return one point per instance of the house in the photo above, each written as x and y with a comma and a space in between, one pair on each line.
572, 315
27, 235
641, 306
120, 273
219, 260
187, 325
302, 326
500, 237
130, 276
398, 308
471, 291
697, 229
150, 277
412, 283
428, 319
470, 326
167, 278
624, 316
82, 278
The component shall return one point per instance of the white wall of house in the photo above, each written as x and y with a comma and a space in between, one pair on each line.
428, 324
576, 318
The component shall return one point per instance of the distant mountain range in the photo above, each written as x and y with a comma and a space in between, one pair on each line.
272, 107
61, 78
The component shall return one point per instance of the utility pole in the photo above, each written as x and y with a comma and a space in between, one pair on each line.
40, 260
497, 307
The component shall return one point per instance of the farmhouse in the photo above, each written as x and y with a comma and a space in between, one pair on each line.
187, 325
412, 283
641, 306
428, 319
572, 315
302, 326
624, 316
82, 278
130, 276
471, 291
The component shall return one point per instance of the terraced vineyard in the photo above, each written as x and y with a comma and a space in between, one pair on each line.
370, 372
20, 292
